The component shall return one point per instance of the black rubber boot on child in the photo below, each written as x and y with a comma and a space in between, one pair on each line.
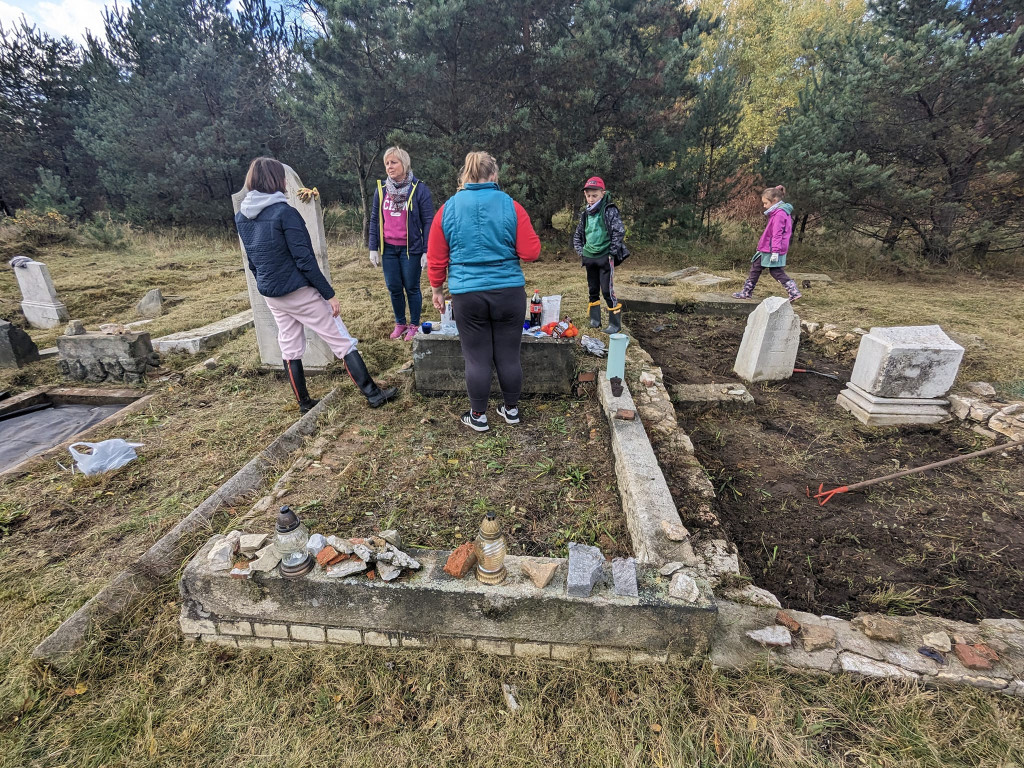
297, 377
595, 314
614, 320
375, 396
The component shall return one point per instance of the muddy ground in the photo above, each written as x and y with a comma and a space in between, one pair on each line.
550, 478
948, 542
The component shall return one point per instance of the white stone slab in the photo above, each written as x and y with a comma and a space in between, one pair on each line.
40, 304
706, 279
318, 354
892, 412
770, 342
907, 362
209, 336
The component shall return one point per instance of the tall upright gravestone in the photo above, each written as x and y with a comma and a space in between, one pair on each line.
318, 354
40, 304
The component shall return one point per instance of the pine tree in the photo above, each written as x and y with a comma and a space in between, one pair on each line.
183, 100
915, 126
42, 95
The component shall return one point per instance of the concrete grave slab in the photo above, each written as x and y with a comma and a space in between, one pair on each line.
646, 499
723, 304
439, 368
770, 342
654, 301
705, 279
207, 337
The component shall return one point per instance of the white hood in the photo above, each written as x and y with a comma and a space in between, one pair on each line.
255, 202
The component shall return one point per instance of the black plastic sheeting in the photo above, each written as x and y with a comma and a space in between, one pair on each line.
25, 436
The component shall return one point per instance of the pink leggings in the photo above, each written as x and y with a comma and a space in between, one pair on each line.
306, 307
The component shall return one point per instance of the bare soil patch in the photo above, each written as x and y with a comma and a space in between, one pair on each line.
948, 542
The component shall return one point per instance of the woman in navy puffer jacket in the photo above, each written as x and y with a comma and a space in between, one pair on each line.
280, 256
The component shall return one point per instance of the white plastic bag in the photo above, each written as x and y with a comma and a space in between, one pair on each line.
105, 456
552, 309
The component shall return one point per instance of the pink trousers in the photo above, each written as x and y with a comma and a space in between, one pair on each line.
306, 307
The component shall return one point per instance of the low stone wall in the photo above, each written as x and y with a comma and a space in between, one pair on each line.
439, 368
432, 607
96, 357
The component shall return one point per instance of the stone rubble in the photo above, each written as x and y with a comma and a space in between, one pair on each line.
348, 567
815, 637
878, 628
539, 571
249, 543
674, 531
75, 328
624, 577
773, 636
751, 595
266, 560
684, 587
783, 618
938, 641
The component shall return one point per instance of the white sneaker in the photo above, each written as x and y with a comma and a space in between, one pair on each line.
511, 415
479, 423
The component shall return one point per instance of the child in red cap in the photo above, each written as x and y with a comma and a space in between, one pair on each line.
600, 243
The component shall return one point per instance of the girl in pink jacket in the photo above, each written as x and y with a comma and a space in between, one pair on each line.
773, 245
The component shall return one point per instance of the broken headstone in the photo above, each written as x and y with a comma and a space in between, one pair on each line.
624, 576
586, 569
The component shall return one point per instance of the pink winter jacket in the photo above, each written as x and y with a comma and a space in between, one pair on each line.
778, 231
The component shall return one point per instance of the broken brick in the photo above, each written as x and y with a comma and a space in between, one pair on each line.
326, 556
986, 651
586, 377
787, 621
970, 657
626, 414
461, 561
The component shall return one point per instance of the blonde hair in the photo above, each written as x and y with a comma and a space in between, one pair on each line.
402, 155
774, 194
479, 166
265, 175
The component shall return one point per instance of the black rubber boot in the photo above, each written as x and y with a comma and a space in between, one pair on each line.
614, 320
375, 396
595, 314
297, 377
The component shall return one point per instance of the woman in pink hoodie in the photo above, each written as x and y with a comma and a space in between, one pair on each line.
773, 245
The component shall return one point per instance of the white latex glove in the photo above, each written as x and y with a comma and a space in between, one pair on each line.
423, 261
773, 259
375, 258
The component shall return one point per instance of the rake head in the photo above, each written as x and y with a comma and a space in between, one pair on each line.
824, 496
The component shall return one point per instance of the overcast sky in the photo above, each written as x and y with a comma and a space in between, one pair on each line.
58, 17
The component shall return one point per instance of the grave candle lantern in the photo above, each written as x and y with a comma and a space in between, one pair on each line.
290, 539
490, 551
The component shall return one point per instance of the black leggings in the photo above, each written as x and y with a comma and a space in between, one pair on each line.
491, 330
601, 279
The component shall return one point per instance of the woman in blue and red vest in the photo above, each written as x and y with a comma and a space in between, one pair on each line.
476, 241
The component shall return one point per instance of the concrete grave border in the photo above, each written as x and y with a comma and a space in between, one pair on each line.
514, 618
133, 399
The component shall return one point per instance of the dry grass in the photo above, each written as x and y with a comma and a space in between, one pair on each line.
146, 699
